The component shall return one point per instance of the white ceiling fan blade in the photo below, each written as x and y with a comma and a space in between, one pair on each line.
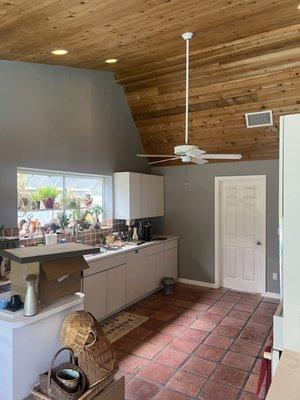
223, 156
199, 161
168, 159
195, 153
155, 155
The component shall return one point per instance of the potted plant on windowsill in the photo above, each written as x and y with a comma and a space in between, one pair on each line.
35, 201
97, 211
88, 200
47, 196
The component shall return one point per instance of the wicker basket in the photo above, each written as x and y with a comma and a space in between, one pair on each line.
94, 353
50, 386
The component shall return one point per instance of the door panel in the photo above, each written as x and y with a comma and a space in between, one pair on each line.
231, 262
241, 232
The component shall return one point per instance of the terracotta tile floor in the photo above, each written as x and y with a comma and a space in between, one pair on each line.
199, 343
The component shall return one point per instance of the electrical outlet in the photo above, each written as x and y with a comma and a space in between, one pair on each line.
274, 276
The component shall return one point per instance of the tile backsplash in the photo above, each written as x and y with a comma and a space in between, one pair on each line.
90, 236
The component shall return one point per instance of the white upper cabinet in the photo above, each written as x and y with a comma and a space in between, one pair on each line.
127, 195
138, 195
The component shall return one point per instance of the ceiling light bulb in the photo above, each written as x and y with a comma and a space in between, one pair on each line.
298, 6
111, 61
59, 52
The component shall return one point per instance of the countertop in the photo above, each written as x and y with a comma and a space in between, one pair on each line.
25, 255
286, 381
18, 320
130, 247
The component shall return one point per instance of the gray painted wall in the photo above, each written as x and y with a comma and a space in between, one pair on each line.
63, 119
189, 213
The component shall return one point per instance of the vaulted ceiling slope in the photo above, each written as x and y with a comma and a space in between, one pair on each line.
245, 56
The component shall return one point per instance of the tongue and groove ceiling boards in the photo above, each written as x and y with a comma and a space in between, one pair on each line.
244, 57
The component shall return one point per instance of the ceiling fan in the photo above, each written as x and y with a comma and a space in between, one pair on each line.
189, 152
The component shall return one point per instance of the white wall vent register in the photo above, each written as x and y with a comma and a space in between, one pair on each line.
260, 118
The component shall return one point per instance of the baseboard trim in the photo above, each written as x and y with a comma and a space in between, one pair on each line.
271, 295
197, 283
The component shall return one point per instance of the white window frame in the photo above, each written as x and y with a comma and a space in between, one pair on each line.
107, 194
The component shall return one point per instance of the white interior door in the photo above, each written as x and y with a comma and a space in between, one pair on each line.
242, 233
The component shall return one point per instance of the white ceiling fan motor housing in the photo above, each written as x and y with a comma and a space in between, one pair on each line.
184, 148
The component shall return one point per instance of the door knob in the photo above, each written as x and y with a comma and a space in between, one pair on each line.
258, 243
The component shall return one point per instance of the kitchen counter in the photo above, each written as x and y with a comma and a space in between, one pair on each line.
27, 345
286, 382
130, 247
24, 255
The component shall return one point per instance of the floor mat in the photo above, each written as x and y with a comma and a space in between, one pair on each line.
120, 325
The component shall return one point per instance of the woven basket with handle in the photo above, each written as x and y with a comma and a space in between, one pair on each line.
95, 355
52, 388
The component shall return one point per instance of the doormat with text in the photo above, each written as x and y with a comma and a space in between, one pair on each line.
121, 324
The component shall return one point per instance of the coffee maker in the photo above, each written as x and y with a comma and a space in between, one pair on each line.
147, 231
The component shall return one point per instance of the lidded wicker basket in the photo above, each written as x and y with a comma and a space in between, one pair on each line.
95, 355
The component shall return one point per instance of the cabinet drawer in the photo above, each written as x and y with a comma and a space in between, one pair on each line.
102, 265
157, 248
171, 245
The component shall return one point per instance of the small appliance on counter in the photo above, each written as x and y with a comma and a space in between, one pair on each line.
147, 232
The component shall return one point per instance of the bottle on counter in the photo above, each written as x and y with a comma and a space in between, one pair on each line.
30, 303
135, 236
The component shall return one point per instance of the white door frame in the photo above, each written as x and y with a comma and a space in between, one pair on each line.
218, 272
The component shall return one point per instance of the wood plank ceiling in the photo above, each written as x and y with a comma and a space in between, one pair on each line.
245, 56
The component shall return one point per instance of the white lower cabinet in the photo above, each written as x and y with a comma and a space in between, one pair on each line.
154, 271
171, 262
135, 275
112, 283
95, 290
116, 294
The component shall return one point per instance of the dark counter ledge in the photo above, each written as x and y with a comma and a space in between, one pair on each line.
25, 255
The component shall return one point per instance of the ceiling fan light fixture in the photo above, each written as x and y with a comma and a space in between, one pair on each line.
184, 148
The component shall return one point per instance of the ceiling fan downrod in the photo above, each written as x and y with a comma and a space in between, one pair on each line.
187, 36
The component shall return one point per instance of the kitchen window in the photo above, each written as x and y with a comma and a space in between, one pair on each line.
52, 200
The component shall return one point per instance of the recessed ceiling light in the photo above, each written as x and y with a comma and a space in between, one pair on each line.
111, 60
298, 6
59, 52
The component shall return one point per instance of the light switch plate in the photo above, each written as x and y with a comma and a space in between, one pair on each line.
275, 276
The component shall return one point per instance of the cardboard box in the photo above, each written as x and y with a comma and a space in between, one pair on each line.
60, 278
56, 278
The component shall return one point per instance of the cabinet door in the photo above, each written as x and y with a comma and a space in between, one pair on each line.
135, 277
95, 290
159, 269
116, 288
152, 196
171, 262
156, 198
127, 195
145, 196
150, 272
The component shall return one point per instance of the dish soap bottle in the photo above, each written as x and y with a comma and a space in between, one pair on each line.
135, 237
30, 303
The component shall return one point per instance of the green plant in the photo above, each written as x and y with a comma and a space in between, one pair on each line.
23, 196
79, 216
63, 220
97, 210
71, 200
47, 192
